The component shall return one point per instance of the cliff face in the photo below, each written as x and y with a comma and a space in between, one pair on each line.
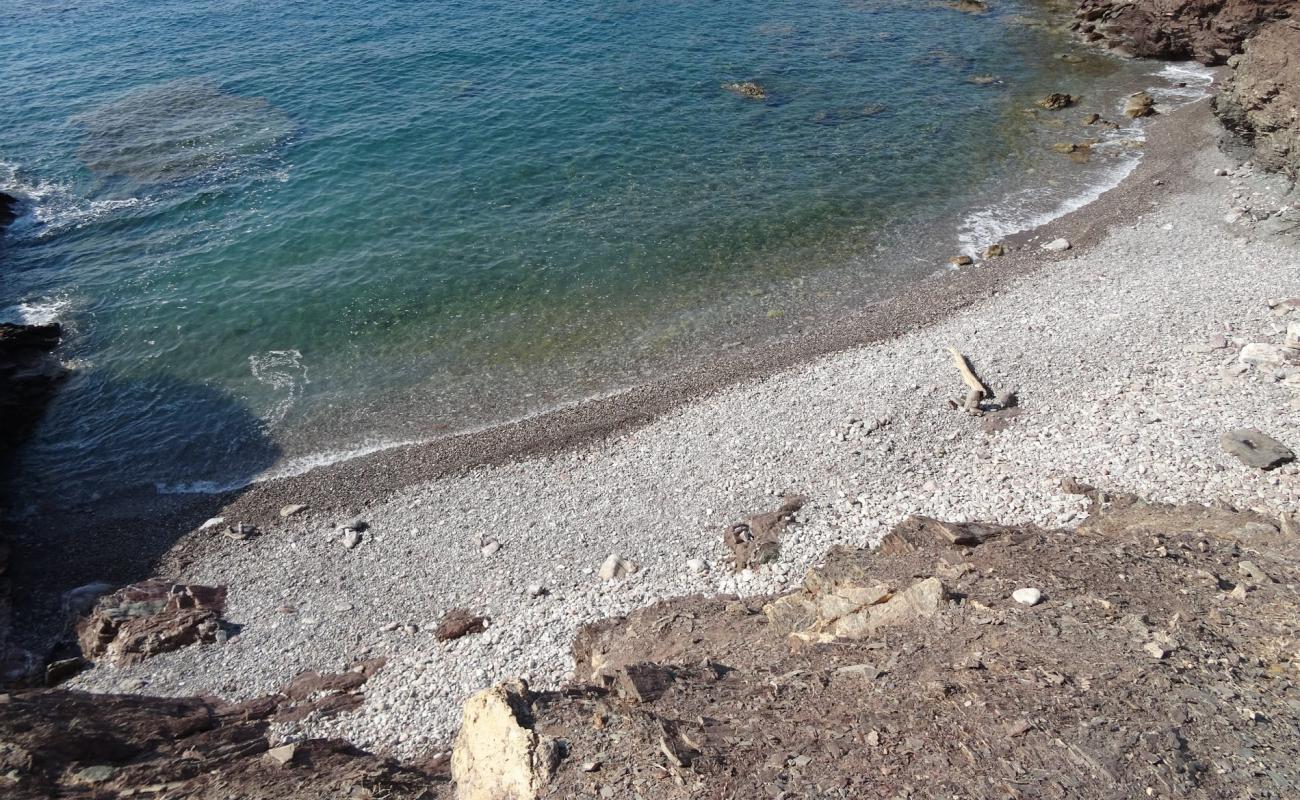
1210, 31
1260, 102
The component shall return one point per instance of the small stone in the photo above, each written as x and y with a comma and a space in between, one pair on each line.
616, 566
351, 539
1264, 354
94, 774
1249, 570
1140, 104
1156, 649
241, 532
961, 261
1255, 449
358, 524
1221, 172
535, 590
459, 622
590, 766
994, 251
490, 547
697, 565
411, 628
1028, 596
283, 754
212, 523
1238, 592
390, 627
290, 510
1057, 246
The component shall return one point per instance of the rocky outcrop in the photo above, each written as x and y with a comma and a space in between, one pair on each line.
151, 617
1102, 656
1260, 101
55, 743
1209, 31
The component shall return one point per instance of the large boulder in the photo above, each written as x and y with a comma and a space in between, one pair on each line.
1210, 31
29, 376
1260, 101
498, 755
151, 617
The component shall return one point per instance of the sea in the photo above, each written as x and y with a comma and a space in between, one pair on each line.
282, 234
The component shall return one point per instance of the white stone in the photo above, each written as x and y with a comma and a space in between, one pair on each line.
535, 590
212, 523
490, 547
351, 539
1057, 246
615, 566
1028, 596
1262, 353
697, 565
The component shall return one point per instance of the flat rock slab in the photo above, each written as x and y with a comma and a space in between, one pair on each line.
1256, 449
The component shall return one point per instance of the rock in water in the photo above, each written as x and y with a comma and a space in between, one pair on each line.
750, 90
1140, 104
1057, 246
1255, 449
1028, 596
1056, 101
994, 251
8, 210
961, 261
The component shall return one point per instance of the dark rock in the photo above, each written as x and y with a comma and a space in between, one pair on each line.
1258, 102
1255, 449
29, 376
457, 623
151, 617
8, 210
1209, 31
642, 683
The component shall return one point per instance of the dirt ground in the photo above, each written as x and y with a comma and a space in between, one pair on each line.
1161, 661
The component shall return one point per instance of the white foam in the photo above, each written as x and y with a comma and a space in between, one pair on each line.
1017, 213
291, 468
35, 312
283, 371
54, 207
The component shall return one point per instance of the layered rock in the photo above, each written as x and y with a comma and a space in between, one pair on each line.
1260, 101
151, 617
1209, 31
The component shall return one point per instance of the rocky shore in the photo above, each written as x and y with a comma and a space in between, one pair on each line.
781, 589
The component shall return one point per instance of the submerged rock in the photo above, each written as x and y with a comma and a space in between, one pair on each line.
8, 210
29, 376
1056, 101
750, 90
1139, 104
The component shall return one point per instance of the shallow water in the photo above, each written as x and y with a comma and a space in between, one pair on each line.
280, 232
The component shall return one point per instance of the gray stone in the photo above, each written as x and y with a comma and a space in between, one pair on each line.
1057, 246
1255, 449
351, 539
290, 510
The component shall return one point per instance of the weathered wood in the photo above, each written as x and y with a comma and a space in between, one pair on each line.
967, 373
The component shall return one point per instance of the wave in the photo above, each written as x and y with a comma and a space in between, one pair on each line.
35, 312
284, 372
51, 207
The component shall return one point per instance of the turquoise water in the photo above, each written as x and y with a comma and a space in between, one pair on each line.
281, 230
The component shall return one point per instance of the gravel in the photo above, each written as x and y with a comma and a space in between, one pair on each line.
1119, 385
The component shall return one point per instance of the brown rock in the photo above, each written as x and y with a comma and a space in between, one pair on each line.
459, 622
1207, 30
756, 540
1259, 100
1057, 101
151, 617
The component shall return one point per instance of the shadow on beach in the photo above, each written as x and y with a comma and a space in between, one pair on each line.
88, 504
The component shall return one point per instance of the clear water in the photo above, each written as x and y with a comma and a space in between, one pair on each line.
280, 231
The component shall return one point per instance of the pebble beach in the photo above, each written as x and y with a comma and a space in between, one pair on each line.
1124, 351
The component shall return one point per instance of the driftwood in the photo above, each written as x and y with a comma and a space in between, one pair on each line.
976, 391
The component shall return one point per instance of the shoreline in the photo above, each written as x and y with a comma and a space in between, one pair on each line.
356, 481
1118, 389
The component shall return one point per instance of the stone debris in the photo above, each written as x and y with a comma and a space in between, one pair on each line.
757, 540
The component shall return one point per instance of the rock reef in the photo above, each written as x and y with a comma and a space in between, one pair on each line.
1209, 31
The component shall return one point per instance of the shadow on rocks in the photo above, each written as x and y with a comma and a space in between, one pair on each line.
90, 502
